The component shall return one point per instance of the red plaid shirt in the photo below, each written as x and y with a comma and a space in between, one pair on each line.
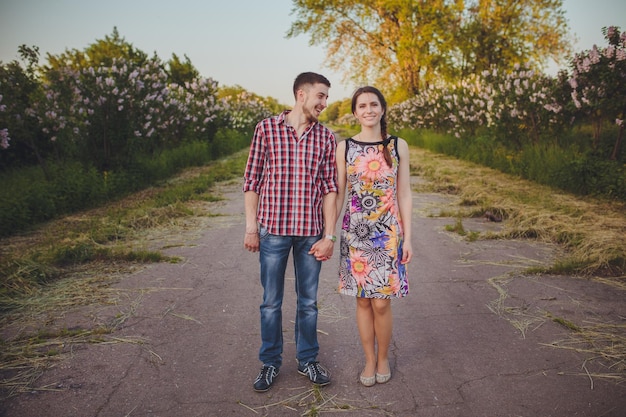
291, 176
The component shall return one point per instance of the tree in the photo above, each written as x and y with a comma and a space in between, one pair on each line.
180, 72
395, 44
505, 33
110, 104
598, 85
336, 110
245, 109
20, 89
331, 113
101, 53
405, 45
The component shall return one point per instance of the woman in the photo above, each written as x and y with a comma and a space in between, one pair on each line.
373, 170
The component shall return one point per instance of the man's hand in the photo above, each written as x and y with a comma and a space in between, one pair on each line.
322, 249
251, 241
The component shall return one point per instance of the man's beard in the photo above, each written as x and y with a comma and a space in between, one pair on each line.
309, 116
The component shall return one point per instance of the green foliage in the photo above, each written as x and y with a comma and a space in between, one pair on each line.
598, 86
243, 110
589, 175
428, 139
405, 46
331, 113
28, 198
395, 43
110, 105
101, 53
123, 110
107, 121
501, 34
105, 236
168, 162
337, 111
457, 227
27, 273
87, 251
20, 89
181, 72
229, 141
515, 107
565, 132
565, 323
565, 167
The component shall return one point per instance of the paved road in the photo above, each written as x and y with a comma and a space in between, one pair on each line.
472, 339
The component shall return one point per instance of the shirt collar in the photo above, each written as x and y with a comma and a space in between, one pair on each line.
283, 116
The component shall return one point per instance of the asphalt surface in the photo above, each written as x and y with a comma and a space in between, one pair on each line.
475, 337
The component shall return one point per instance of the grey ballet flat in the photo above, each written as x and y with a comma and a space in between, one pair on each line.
382, 378
368, 381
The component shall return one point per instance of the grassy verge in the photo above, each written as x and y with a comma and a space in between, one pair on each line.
28, 198
590, 230
74, 261
572, 168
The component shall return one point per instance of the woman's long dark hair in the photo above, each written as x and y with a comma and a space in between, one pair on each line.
383, 120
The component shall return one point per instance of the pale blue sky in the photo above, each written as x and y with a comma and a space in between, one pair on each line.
232, 41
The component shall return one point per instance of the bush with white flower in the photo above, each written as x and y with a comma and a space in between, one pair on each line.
517, 105
598, 85
107, 108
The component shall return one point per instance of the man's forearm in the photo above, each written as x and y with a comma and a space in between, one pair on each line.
251, 204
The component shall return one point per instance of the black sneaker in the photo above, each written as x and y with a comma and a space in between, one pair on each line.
264, 381
316, 372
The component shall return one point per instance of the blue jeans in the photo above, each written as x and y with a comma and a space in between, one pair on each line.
274, 253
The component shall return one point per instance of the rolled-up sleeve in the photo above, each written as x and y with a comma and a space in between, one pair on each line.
329, 168
253, 173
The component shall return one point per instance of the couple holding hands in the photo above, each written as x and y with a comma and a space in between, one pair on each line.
297, 182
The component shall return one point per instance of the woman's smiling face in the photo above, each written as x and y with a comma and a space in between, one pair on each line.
368, 109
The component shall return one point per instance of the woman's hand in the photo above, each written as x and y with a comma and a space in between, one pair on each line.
407, 253
322, 249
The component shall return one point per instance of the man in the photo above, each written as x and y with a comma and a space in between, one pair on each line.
290, 188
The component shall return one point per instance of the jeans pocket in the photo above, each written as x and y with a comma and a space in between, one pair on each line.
263, 232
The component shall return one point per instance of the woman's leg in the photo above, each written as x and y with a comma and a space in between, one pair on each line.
383, 323
365, 324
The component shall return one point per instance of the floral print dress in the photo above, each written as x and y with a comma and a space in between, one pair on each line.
371, 230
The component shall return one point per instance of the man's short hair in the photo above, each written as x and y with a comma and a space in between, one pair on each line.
308, 78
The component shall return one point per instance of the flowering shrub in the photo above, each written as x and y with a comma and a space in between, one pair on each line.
532, 125
4, 133
124, 108
107, 110
347, 119
104, 123
512, 105
22, 139
522, 105
113, 112
243, 110
598, 84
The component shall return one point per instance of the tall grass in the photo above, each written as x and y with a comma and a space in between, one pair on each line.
563, 166
590, 230
27, 198
51, 251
